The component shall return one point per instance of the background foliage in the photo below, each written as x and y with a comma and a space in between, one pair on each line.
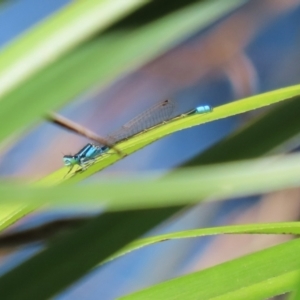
118, 52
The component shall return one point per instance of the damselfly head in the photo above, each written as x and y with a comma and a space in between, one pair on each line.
70, 160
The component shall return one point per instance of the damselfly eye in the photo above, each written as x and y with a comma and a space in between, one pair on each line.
68, 160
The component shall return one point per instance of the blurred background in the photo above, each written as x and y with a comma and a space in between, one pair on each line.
249, 51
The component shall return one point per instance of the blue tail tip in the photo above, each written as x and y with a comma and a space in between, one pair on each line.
203, 109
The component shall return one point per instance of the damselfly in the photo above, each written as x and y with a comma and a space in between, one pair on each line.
157, 114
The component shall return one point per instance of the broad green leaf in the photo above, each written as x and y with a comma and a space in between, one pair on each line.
60, 32
259, 275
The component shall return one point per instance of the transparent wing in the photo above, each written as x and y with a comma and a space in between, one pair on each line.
153, 116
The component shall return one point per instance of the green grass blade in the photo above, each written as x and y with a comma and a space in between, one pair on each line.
66, 194
212, 182
269, 228
262, 135
296, 294
95, 241
100, 61
131, 220
60, 32
220, 112
256, 276
67, 259
10, 213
